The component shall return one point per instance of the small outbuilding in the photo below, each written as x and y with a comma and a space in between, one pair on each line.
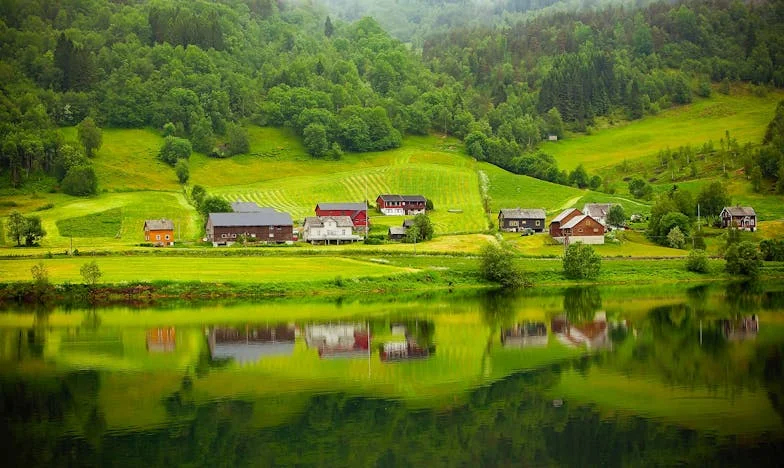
519, 219
397, 232
160, 232
741, 217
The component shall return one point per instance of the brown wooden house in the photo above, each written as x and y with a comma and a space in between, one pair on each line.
562, 218
517, 220
741, 217
267, 226
159, 232
574, 226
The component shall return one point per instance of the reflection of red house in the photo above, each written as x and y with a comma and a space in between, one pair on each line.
356, 211
591, 334
338, 340
161, 340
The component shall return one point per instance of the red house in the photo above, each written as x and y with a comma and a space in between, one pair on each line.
401, 204
356, 211
574, 226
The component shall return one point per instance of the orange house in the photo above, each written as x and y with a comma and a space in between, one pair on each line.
159, 231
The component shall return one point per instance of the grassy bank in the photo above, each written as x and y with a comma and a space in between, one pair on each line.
146, 278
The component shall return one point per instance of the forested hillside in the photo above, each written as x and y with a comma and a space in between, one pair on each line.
208, 67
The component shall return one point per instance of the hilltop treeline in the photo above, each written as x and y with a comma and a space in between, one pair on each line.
202, 65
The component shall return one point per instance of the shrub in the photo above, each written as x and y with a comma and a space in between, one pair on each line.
581, 262
80, 181
182, 170
496, 264
237, 141
697, 261
743, 259
675, 238
772, 250
91, 273
174, 149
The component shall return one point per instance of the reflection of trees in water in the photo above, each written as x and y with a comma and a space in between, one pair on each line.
743, 297
510, 422
581, 303
498, 308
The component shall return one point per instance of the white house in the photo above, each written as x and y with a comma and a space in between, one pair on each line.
329, 230
598, 211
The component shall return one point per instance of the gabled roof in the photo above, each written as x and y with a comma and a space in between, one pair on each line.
597, 210
249, 207
523, 213
405, 198
574, 221
407, 223
740, 211
564, 214
397, 230
347, 206
159, 224
318, 221
270, 217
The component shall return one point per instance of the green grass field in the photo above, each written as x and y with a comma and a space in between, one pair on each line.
244, 270
127, 160
743, 114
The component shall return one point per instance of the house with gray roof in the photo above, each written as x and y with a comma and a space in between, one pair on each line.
741, 217
249, 207
519, 219
329, 230
357, 211
159, 232
267, 226
598, 211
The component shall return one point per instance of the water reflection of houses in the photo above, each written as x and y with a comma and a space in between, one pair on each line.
744, 328
406, 347
161, 340
338, 340
250, 343
594, 334
525, 335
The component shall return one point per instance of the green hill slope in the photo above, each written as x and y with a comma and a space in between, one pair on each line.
743, 114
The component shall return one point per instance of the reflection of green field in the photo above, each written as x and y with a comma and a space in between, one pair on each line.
724, 411
232, 269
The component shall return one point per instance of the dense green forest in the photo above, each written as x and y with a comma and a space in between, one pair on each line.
502, 87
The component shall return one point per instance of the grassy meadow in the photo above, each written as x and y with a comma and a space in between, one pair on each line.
277, 172
248, 270
746, 116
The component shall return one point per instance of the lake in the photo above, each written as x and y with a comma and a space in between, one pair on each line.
657, 375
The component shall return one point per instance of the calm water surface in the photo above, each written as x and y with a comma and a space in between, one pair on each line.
578, 377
